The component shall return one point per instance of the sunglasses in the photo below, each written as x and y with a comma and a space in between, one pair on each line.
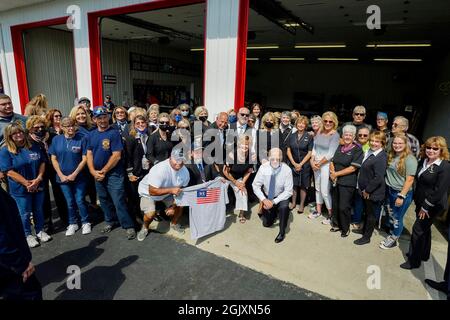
244, 114
164, 122
360, 114
250, 120
39, 127
433, 148
57, 116
328, 121
363, 135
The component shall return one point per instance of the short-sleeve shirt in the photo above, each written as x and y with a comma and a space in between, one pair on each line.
103, 144
163, 175
26, 163
394, 179
69, 152
345, 158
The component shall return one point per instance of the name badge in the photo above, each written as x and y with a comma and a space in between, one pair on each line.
34, 156
76, 149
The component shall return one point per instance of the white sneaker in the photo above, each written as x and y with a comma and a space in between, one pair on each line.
71, 229
32, 242
86, 228
43, 236
326, 221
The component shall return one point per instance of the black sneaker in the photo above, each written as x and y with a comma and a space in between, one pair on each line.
439, 286
362, 241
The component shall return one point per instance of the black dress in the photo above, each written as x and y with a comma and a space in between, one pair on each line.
300, 146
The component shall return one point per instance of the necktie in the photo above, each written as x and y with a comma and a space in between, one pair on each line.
202, 172
271, 193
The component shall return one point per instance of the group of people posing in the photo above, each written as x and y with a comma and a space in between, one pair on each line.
136, 161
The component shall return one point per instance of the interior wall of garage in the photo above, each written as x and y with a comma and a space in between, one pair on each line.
375, 85
116, 61
50, 64
438, 120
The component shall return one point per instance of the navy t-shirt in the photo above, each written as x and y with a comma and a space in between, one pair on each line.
26, 163
102, 145
68, 152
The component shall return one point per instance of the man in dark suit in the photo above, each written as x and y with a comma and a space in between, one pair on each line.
215, 138
197, 173
17, 278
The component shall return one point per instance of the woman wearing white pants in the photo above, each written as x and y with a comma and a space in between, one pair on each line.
326, 142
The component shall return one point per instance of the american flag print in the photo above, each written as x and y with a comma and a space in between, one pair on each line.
207, 196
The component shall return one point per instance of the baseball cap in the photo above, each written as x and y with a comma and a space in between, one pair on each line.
100, 111
178, 155
382, 115
84, 99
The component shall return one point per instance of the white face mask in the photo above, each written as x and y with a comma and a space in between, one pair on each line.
184, 113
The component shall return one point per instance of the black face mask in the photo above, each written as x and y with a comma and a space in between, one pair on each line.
164, 127
40, 133
268, 125
203, 118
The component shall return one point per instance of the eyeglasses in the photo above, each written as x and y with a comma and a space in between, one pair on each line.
363, 135
244, 114
359, 114
395, 125
433, 148
275, 159
250, 120
68, 127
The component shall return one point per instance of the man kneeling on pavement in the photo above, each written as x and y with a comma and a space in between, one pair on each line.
161, 184
275, 178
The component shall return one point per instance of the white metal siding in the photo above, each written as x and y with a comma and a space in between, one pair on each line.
221, 51
49, 57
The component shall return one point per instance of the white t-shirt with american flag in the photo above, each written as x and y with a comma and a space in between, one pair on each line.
207, 206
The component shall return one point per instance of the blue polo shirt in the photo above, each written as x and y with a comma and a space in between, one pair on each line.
102, 145
26, 163
69, 152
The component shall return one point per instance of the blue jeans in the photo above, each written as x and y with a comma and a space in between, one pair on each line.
111, 193
397, 213
75, 193
31, 203
358, 209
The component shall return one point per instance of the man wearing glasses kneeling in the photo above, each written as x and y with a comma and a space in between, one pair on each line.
273, 186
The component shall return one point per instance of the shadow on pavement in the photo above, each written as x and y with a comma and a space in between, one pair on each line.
98, 283
55, 269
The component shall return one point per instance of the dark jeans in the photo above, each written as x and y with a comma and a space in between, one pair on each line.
75, 194
420, 245
111, 193
397, 213
372, 210
31, 204
13, 288
269, 216
342, 205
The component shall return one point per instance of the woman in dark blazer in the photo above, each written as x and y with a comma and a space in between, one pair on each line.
430, 197
159, 144
137, 163
371, 184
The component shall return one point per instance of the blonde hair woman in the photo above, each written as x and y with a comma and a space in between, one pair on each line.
430, 197
326, 141
68, 156
82, 119
400, 173
24, 165
37, 106
268, 136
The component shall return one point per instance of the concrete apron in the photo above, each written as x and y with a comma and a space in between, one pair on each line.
313, 258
